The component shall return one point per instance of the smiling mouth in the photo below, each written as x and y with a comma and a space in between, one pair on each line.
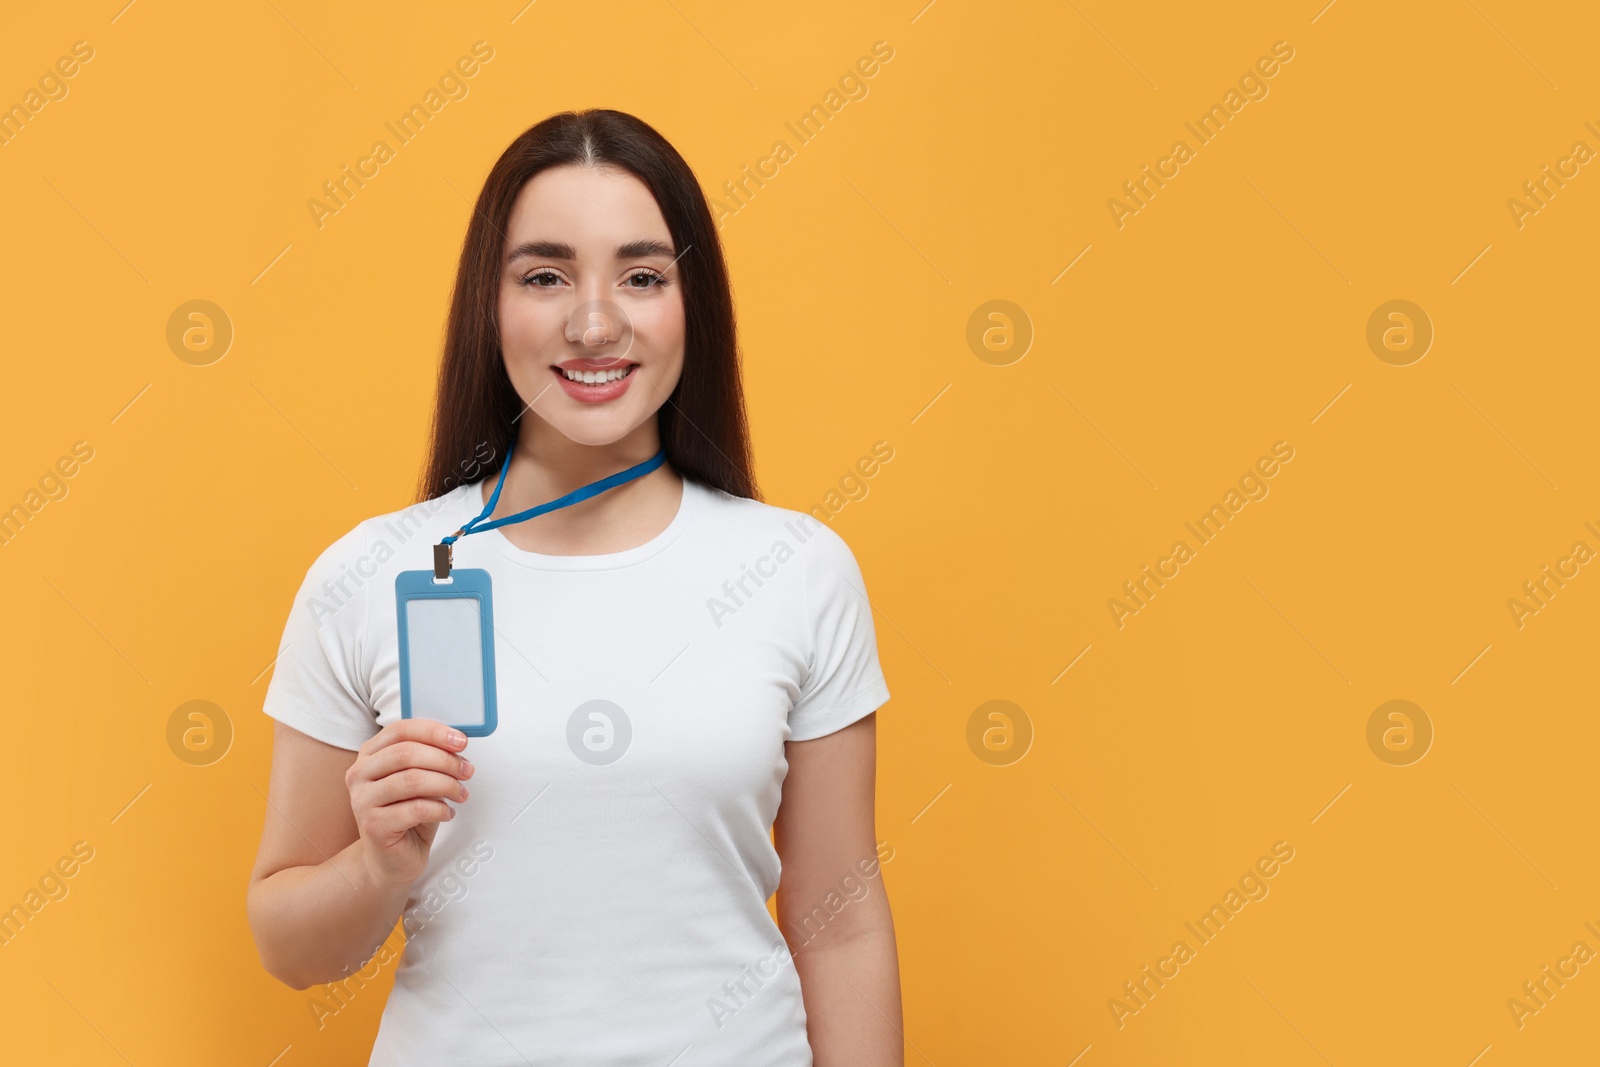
596, 377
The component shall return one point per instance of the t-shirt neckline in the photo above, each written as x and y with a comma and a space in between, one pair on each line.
689, 505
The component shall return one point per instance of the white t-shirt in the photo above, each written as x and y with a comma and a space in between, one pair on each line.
601, 896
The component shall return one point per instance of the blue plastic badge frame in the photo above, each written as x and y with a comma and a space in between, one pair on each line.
463, 584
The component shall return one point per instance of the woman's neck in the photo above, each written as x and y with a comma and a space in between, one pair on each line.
546, 464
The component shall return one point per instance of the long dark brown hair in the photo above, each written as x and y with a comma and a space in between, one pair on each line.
702, 423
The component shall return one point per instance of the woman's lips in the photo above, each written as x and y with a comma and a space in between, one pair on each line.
594, 394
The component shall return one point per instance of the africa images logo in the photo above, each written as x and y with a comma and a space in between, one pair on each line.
737, 592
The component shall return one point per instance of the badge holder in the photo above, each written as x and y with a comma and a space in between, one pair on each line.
446, 620
447, 648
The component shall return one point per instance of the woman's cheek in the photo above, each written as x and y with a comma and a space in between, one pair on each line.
524, 334
658, 332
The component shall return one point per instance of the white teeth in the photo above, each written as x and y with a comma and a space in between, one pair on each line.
595, 377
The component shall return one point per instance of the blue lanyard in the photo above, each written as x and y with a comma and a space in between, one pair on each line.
442, 552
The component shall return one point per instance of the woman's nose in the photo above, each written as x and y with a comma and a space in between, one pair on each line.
596, 324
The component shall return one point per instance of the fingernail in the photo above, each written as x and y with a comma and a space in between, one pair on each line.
466, 766
457, 737
465, 793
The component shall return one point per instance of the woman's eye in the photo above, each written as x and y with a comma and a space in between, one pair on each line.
650, 279
533, 280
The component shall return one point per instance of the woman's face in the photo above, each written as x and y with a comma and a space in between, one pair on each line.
590, 289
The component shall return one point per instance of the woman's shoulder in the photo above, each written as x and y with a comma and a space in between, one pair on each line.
376, 540
763, 524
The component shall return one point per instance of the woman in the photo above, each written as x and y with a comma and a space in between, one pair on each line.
673, 658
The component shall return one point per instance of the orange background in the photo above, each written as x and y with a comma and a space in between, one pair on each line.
1230, 312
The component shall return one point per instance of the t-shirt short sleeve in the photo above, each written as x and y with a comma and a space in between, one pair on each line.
318, 684
844, 681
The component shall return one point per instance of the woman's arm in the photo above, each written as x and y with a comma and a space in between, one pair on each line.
849, 971
324, 896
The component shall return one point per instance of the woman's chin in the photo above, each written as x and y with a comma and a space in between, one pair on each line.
595, 430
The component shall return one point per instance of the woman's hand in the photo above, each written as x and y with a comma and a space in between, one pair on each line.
396, 788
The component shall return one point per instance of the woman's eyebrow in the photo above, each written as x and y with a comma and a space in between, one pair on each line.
562, 250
